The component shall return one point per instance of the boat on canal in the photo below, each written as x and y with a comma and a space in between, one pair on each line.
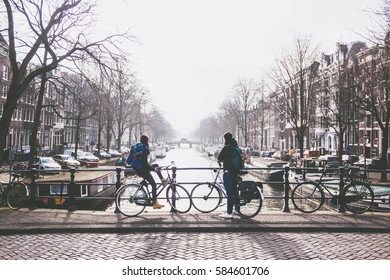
90, 185
270, 169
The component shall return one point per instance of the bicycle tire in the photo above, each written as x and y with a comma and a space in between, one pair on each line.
17, 195
248, 206
178, 198
126, 200
307, 197
358, 197
206, 197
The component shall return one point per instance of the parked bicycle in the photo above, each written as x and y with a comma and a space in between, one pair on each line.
206, 197
132, 199
16, 193
357, 195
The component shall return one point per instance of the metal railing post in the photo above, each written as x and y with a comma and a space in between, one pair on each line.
72, 186
286, 208
117, 185
341, 189
174, 169
33, 189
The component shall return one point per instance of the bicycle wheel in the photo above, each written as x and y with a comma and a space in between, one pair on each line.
179, 198
358, 197
307, 197
17, 195
248, 204
206, 197
131, 200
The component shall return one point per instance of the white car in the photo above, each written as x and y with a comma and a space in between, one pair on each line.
66, 161
49, 165
89, 157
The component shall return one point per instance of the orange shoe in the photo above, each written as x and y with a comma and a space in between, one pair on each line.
157, 205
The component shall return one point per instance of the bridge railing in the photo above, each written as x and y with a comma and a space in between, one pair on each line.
70, 197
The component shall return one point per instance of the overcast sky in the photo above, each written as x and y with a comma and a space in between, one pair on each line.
192, 52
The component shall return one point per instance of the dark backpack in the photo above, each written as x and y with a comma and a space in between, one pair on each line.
237, 160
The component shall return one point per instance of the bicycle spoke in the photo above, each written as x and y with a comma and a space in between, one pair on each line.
248, 204
358, 197
131, 200
179, 198
307, 197
17, 195
206, 197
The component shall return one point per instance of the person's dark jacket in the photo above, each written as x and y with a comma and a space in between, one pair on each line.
226, 154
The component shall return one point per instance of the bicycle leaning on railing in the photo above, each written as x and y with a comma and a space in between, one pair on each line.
132, 199
206, 197
357, 195
17, 192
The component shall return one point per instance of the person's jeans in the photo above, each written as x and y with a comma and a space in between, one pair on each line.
228, 182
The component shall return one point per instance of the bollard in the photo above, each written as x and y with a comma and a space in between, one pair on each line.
33, 189
341, 188
286, 208
117, 185
72, 186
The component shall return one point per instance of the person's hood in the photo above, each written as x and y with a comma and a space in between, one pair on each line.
231, 142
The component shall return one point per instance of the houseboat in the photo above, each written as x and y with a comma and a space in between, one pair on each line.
94, 189
272, 170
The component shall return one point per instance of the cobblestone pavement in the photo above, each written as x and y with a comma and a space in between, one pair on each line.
196, 246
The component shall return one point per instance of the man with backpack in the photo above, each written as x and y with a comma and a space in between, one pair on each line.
231, 157
138, 159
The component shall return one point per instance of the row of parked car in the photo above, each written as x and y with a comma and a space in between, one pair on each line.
54, 164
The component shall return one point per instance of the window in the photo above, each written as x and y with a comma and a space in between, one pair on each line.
56, 189
4, 90
84, 190
5, 72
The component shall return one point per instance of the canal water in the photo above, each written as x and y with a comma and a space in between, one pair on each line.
194, 167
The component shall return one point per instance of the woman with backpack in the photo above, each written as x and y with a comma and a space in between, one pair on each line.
138, 159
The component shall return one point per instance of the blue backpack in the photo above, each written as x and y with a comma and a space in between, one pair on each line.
237, 159
135, 156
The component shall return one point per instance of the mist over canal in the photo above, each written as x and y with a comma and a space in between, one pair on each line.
185, 157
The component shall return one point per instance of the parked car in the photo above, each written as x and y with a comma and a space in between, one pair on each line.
103, 154
114, 153
66, 161
48, 165
369, 163
125, 150
89, 157
330, 160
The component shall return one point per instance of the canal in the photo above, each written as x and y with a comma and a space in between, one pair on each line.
186, 158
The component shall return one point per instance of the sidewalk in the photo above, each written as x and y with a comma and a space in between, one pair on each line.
62, 221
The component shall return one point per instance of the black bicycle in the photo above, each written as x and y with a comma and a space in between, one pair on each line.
132, 199
16, 193
357, 195
206, 197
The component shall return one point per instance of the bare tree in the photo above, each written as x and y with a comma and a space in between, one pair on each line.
237, 107
82, 105
294, 80
59, 28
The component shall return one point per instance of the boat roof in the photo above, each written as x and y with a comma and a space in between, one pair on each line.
89, 175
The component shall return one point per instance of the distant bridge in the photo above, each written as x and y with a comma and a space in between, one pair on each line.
184, 141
